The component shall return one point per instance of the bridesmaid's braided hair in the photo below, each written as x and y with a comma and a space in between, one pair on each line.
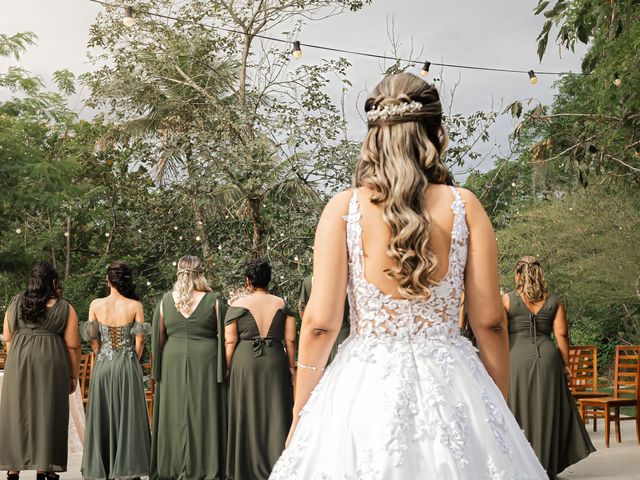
530, 280
189, 278
120, 276
41, 288
401, 154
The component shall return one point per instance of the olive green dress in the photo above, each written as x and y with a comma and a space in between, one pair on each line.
539, 396
34, 409
260, 396
345, 328
189, 414
117, 440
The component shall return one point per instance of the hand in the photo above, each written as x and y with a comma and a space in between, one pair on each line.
567, 372
293, 374
73, 384
292, 430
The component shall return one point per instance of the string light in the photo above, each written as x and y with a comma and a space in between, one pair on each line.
148, 283
532, 77
198, 238
297, 51
18, 231
66, 234
341, 50
175, 228
107, 234
175, 264
128, 19
425, 69
139, 230
616, 80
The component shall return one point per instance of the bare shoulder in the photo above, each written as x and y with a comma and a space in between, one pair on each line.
340, 202
469, 198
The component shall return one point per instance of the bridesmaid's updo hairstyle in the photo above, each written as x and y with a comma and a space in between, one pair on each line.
530, 280
401, 155
120, 277
258, 272
189, 278
41, 288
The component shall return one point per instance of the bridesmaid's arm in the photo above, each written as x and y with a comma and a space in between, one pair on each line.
72, 341
230, 342
95, 345
6, 333
485, 310
290, 341
139, 338
561, 332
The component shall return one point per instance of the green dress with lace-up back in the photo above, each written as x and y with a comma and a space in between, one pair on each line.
539, 396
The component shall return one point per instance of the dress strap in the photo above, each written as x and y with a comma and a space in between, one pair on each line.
354, 236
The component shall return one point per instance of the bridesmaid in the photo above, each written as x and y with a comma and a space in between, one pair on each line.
189, 415
260, 342
117, 439
41, 371
538, 393
345, 328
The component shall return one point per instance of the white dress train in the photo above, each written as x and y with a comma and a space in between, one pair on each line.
406, 396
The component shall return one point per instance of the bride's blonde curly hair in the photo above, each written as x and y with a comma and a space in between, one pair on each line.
530, 280
190, 277
401, 155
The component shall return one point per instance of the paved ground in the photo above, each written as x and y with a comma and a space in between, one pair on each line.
621, 461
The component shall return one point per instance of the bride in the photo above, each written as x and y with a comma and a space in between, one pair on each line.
406, 397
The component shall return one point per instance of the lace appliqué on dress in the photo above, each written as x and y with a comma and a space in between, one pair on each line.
113, 340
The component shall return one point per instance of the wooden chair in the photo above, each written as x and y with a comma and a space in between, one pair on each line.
3, 360
626, 392
86, 366
149, 392
583, 363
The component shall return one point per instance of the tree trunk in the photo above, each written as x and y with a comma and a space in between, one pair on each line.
67, 261
258, 227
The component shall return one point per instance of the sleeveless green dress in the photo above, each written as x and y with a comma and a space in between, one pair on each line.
539, 396
260, 396
117, 440
189, 414
345, 328
34, 409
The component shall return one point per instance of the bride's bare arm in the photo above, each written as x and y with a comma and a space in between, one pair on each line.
323, 314
482, 294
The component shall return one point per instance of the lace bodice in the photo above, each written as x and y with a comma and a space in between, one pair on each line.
374, 313
113, 340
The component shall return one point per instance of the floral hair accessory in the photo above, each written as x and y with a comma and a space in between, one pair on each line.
392, 110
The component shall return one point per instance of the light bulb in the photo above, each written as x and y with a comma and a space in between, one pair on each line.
66, 234
107, 234
198, 238
425, 69
175, 264
616, 81
18, 231
175, 228
139, 230
128, 19
148, 284
297, 51
532, 77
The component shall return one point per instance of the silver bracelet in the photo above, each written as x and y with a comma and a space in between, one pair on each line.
312, 367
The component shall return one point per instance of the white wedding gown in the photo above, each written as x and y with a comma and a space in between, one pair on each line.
407, 396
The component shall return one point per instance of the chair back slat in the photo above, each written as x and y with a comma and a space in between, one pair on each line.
627, 372
583, 363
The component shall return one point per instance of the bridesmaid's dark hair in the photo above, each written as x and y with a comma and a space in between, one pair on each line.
40, 289
120, 276
258, 272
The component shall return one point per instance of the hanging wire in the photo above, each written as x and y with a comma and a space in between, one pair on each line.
337, 50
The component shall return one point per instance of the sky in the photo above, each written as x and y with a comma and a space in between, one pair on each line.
495, 33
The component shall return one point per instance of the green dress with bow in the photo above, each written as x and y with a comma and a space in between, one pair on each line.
260, 396
189, 415
539, 396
